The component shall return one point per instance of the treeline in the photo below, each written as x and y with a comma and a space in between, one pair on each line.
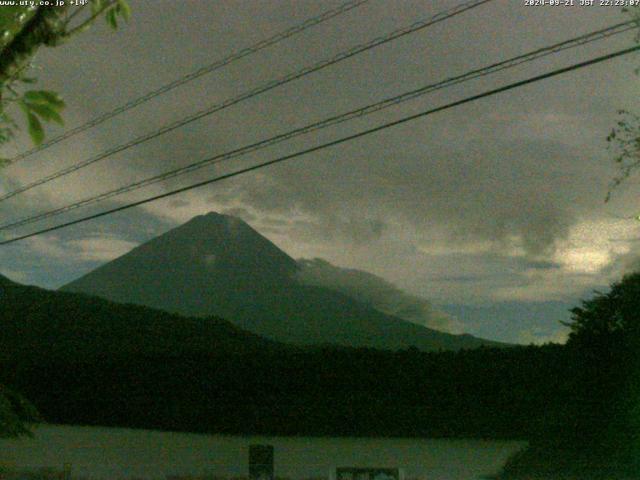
82, 360
514, 393
599, 436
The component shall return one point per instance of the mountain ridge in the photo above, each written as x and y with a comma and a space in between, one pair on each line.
218, 265
373, 290
4, 281
40, 325
82, 360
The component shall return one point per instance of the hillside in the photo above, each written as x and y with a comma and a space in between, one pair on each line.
373, 291
218, 265
38, 324
83, 360
4, 281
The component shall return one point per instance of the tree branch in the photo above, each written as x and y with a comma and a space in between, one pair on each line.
89, 20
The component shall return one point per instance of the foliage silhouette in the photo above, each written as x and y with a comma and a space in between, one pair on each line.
600, 435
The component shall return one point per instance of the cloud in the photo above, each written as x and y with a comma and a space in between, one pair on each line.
91, 249
178, 203
537, 336
240, 212
48, 246
376, 292
101, 249
501, 194
16, 276
348, 228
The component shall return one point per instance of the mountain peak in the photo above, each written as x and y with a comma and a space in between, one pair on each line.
218, 224
229, 239
213, 216
181, 270
217, 264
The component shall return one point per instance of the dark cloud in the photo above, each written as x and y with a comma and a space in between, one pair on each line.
542, 265
503, 183
348, 228
461, 278
274, 222
242, 213
492, 190
624, 264
178, 203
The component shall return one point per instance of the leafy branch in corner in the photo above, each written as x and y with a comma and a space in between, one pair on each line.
25, 30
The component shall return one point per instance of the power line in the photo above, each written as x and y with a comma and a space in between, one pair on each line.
332, 143
463, 7
369, 109
278, 37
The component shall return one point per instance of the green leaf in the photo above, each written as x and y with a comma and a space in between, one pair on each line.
55, 100
46, 112
96, 6
35, 129
44, 97
124, 9
28, 79
112, 19
35, 96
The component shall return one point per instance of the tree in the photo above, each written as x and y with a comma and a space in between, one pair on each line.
624, 138
609, 317
605, 335
23, 30
598, 435
15, 414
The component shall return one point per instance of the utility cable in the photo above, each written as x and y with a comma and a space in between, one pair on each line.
250, 94
278, 37
338, 141
367, 110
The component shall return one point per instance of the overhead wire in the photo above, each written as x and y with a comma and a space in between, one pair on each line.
332, 143
334, 120
439, 17
188, 77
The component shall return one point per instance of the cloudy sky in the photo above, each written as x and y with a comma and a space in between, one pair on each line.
494, 211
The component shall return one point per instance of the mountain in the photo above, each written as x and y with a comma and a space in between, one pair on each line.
82, 360
374, 291
218, 265
40, 325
